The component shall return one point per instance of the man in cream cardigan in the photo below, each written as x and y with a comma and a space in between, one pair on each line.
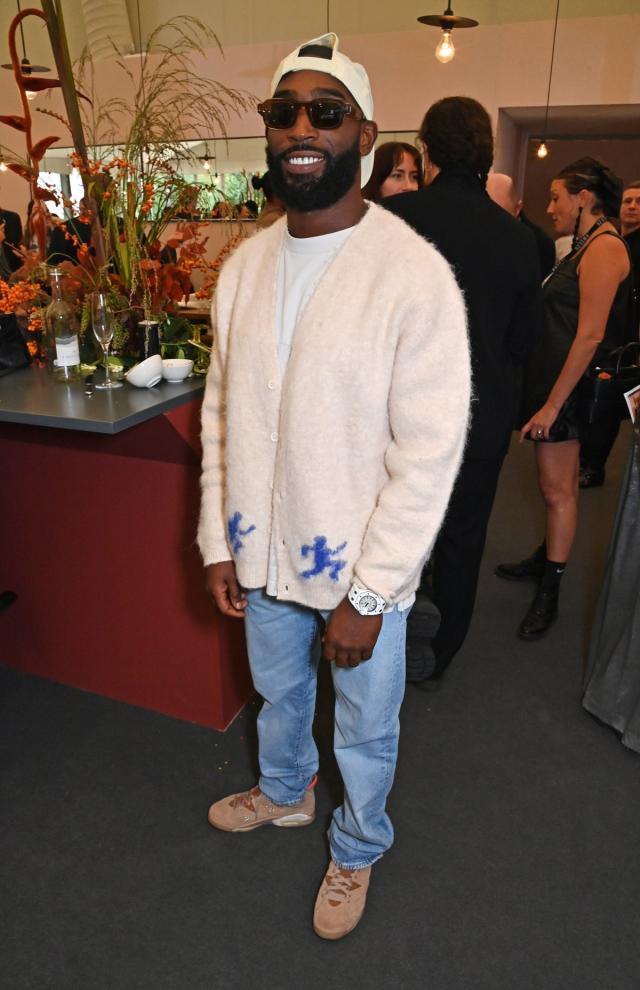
333, 425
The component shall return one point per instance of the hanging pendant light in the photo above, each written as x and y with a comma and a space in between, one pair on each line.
207, 159
543, 151
445, 49
26, 68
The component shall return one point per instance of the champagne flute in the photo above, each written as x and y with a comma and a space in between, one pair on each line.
102, 320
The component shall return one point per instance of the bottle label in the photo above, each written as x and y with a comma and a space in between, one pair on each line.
68, 353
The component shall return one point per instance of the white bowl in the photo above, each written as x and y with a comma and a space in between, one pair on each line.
147, 373
176, 369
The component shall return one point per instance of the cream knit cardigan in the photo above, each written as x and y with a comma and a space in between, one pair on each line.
352, 456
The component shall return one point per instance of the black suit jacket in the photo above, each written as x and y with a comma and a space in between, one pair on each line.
12, 236
546, 245
633, 243
495, 260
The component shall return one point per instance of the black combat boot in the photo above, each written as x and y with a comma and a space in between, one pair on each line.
543, 611
529, 569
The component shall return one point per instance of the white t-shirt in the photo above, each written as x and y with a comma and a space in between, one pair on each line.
303, 262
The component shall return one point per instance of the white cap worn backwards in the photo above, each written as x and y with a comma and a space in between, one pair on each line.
352, 75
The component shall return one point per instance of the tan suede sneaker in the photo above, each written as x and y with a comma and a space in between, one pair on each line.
340, 901
250, 809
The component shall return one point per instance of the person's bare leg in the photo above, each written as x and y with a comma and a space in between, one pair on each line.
558, 465
558, 479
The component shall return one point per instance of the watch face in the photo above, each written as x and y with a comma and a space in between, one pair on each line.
367, 604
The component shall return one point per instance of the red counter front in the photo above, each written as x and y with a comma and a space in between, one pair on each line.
97, 537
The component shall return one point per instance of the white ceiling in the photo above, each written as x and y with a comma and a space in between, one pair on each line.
238, 22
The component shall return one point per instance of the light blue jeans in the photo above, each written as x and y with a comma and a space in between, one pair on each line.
282, 641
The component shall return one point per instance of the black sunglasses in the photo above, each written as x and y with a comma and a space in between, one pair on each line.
324, 114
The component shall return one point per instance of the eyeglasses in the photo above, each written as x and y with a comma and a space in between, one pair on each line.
325, 115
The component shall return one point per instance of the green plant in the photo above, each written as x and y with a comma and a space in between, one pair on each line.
171, 101
134, 186
134, 175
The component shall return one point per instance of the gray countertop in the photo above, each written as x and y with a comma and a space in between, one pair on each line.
31, 396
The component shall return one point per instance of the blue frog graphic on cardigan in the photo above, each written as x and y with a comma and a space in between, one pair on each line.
324, 558
235, 533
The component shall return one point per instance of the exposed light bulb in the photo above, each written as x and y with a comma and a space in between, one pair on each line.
3, 167
206, 164
445, 49
30, 94
542, 151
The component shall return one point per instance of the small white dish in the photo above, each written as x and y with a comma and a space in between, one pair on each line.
146, 374
176, 369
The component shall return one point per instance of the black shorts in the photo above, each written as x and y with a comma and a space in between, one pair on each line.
568, 425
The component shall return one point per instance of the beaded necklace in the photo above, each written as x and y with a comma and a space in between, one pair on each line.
576, 247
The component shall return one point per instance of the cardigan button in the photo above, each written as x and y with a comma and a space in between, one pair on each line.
274, 437
272, 384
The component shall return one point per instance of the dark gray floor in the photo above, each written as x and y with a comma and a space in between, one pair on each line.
516, 864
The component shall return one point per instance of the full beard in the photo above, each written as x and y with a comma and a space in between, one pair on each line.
308, 193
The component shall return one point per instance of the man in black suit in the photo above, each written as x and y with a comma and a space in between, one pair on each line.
502, 190
630, 230
630, 223
496, 264
12, 238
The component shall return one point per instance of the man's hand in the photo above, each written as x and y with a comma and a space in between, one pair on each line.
222, 585
350, 637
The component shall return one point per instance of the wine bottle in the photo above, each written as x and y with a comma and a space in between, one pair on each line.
63, 350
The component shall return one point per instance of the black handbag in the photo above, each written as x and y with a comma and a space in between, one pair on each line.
602, 387
14, 353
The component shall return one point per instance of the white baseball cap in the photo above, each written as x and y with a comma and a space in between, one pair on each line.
334, 63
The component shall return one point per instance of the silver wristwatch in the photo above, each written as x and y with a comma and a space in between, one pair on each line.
366, 602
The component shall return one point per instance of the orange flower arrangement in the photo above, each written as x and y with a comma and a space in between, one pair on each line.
22, 299
17, 296
131, 205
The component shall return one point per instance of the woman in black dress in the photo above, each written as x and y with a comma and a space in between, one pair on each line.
586, 305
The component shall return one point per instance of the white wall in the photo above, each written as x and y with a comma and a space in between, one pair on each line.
501, 64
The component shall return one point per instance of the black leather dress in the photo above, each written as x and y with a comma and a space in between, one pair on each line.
561, 293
